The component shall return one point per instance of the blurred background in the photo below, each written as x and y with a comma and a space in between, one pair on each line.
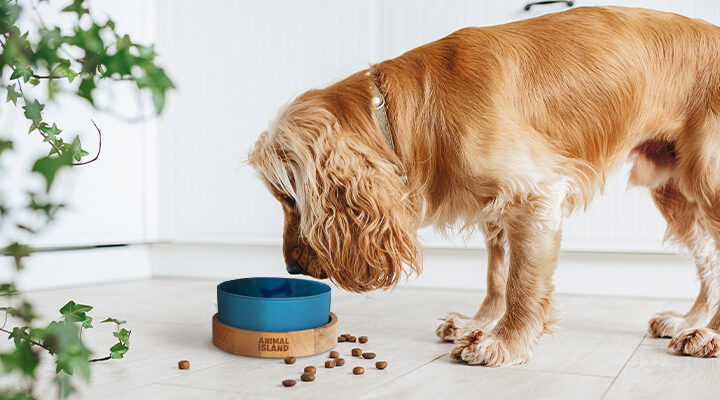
172, 197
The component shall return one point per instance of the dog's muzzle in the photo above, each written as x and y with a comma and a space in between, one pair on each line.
294, 269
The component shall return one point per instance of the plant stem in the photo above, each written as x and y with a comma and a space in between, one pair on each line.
100, 359
35, 342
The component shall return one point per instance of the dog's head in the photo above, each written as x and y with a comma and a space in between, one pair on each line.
349, 216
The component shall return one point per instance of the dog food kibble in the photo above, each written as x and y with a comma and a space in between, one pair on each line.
358, 370
310, 369
184, 364
381, 364
306, 377
341, 339
334, 354
289, 360
356, 352
362, 339
368, 356
351, 338
289, 382
329, 364
339, 362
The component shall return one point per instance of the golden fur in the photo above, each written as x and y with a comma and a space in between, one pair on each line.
507, 129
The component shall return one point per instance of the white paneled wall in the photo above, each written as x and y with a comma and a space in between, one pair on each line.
105, 199
182, 178
250, 58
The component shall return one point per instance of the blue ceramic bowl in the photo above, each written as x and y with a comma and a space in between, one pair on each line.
273, 304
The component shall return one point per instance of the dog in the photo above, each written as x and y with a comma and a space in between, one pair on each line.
506, 129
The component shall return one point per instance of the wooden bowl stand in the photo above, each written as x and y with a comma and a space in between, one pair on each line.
274, 344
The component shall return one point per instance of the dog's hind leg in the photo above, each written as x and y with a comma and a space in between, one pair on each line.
532, 223
684, 226
698, 177
456, 325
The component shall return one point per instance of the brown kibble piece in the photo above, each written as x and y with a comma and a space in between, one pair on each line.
368, 356
310, 369
306, 377
184, 364
289, 382
329, 364
381, 364
289, 360
356, 352
358, 370
341, 339
363, 339
345, 335
351, 338
339, 362
334, 354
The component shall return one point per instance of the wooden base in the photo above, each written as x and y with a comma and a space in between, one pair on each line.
274, 344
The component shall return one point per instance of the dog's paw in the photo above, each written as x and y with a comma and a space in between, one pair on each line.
483, 348
666, 325
702, 342
451, 325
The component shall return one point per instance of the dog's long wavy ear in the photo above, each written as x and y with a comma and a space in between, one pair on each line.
362, 220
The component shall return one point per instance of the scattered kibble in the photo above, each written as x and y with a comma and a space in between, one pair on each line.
362, 339
306, 377
329, 364
356, 352
339, 362
351, 338
288, 382
358, 370
310, 369
334, 354
289, 360
341, 339
184, 364
368, 356
381, 364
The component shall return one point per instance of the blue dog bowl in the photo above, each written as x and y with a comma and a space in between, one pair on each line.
273, 304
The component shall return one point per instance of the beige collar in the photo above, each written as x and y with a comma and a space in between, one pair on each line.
378, 102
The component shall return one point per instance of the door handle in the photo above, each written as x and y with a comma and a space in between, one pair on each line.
528, 6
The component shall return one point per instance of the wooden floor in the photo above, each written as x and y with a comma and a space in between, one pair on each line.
599, 350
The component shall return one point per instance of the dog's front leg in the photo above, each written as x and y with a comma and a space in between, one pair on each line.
532, 225
456, 325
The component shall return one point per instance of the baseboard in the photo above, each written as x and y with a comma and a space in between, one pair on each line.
68, 268
636, 275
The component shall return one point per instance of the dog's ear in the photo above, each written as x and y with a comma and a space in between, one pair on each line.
361, 221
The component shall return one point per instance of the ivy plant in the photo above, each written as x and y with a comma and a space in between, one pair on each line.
38, 65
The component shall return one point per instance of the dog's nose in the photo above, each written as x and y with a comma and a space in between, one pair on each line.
294, 269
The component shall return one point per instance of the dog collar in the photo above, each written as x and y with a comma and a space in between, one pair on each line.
378, 102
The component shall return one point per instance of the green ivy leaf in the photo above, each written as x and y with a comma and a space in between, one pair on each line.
71, 355
63, 70
5, 145
12, 95
49, 166
118, 322
33, 111
64, 385
118, 351
23, 359
76, 149
17, 251
50, 132
73, 312
123, 336
87, 85
77, 7
8, 289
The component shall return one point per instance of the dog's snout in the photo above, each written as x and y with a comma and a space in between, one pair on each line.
294, 269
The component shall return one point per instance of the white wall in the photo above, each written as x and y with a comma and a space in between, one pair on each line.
180, 179
255, 57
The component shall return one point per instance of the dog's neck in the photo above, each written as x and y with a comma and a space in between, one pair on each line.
378, 102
